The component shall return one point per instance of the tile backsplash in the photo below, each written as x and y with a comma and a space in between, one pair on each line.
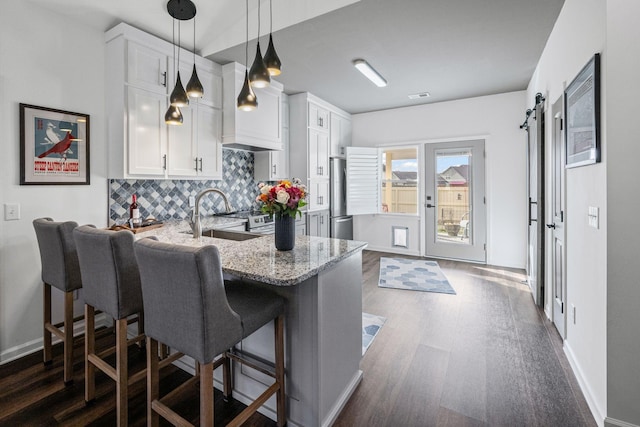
169, 199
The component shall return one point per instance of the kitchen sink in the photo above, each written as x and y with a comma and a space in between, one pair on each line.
230, 235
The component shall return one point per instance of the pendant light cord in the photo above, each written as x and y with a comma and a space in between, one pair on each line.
194, 40
173, 39
258, 20
178, 44
246, 45
270, 17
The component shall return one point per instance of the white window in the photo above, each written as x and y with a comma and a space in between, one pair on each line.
399, 186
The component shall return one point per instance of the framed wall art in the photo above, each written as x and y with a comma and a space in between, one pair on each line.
582, 126
54, 146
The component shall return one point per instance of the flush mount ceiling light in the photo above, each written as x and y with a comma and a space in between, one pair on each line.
247, 100
370, 73
271, 59
259, 75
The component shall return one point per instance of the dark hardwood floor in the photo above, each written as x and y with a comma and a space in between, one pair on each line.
484, 357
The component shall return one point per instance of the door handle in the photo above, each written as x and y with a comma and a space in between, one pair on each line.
551, 226
429, 205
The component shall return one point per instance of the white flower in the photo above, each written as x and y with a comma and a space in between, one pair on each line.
282, 197
265, 189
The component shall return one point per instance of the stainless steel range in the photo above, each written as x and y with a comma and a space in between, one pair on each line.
261, 223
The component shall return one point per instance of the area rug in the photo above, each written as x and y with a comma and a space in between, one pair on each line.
413, 274
371, 325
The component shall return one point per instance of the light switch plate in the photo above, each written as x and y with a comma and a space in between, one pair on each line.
11, 211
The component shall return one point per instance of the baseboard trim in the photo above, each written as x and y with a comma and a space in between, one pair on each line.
612, 422
342, 400
392, 250
596, 411
37, 344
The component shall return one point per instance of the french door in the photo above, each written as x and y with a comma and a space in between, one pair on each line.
455, 208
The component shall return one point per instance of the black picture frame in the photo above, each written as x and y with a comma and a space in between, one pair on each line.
582, 116
54, 146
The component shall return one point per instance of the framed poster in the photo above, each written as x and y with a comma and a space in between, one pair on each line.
54, 146
582, 103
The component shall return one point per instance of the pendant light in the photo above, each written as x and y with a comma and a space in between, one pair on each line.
179, 96
259, 75
173, 116
247, 100
194, 87
271, 59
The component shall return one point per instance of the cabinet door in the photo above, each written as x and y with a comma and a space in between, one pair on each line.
147, 68
324, 224
146, 132
340, 135
209, 123
212, 85
182, 146
318, 117
318, 154
313, 224
318, 195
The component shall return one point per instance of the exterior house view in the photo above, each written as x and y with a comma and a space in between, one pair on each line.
539, 322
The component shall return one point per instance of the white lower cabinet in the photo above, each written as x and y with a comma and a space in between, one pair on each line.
318, 223
318, 198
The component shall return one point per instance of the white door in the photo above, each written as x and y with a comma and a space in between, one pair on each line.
557, 224
455, 200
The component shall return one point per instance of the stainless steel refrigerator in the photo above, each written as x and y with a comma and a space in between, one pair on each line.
341, 223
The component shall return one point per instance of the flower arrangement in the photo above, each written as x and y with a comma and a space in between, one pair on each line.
283, 199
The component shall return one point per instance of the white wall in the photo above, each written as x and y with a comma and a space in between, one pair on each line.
623, 200
578, 34
49, 61
497, 119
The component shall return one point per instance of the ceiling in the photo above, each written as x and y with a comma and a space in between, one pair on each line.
452, 49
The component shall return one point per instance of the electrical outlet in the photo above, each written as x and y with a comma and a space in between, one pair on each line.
192, 201
573, 313
11, 211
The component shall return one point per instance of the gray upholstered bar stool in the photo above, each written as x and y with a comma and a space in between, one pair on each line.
189, 308
59, 269
111, 283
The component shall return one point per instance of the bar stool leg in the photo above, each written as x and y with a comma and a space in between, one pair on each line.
226, 377
279, 349
141, 328
47, 321
206, 394
153, 387
121, 372
89, 348
68, 338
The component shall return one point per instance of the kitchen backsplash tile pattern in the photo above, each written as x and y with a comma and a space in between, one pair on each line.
169, 199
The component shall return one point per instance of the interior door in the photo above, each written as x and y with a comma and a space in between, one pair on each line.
557, 224
535, 189
455, 201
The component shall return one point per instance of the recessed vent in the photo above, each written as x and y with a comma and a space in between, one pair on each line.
419, 95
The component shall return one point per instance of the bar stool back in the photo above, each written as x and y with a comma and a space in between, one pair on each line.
111, 284
60, 269
189, 308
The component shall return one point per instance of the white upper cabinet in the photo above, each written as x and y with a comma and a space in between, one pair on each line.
274, 165
139, 78
340, 134
251, 130
147, 68
318, 117
318, 154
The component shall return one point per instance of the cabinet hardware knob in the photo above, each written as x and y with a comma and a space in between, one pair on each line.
200, 164
164, 79
196, 164
274, 169
164, 162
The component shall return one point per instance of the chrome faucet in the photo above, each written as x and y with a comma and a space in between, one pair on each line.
195, 215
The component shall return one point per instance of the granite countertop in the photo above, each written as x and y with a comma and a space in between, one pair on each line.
257, 259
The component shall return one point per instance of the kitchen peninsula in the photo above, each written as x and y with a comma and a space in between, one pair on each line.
321, 280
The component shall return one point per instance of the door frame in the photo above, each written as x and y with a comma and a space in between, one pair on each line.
480, 216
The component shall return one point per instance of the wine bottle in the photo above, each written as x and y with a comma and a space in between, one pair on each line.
134, 213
